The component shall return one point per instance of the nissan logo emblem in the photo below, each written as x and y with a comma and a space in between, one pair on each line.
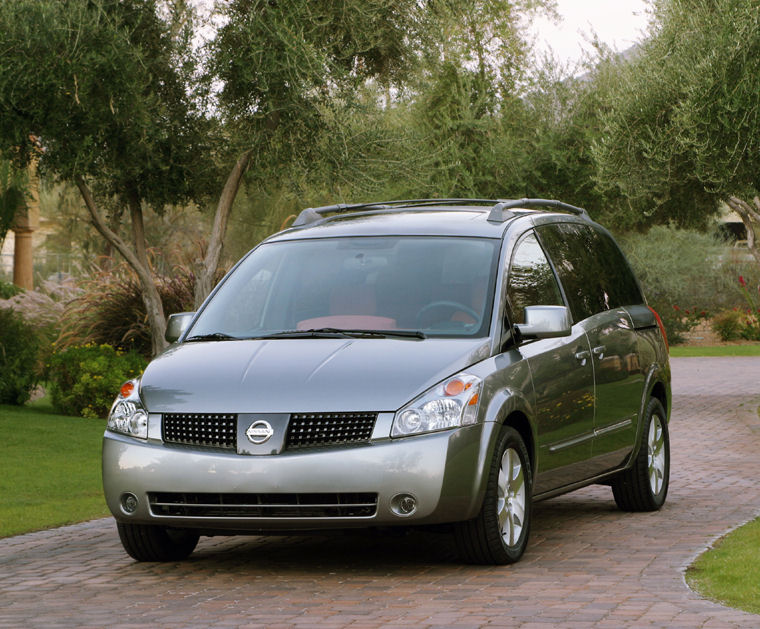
259, 432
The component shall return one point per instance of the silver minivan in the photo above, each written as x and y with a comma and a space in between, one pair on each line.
439, 363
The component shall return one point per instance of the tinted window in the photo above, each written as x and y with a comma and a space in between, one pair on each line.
531, 280
616, 276
594, 273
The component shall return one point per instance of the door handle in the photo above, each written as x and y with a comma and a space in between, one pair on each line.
582, 356
599, 351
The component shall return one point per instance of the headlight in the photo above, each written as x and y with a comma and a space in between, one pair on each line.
128, 416
452, 403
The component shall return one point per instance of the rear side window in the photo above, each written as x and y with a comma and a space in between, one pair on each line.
593, 271
531, 279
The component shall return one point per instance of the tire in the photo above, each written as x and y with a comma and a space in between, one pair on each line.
499, 534
146, 542
644, 486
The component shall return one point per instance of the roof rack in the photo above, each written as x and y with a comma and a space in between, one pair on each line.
500, 211
313, 214
498, 214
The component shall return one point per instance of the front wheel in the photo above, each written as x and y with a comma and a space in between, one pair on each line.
146, 542
644, 486
499, 534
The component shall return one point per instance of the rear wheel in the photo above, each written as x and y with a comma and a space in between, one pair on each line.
644, 486
146, 542
499, 534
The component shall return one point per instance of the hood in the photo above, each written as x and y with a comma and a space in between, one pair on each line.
302, 375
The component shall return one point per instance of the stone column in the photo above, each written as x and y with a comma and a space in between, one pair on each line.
26, 222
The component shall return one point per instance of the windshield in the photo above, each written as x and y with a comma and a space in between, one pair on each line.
436, 286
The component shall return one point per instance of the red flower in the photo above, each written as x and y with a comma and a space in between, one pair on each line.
676, 308
742, 282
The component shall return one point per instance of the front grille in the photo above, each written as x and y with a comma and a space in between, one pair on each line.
209, 430
205, 505
321, 429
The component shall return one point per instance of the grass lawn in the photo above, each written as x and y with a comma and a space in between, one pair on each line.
730, 572
49, 469
685, 351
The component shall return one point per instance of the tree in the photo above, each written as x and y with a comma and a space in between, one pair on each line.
105, 86
683, 129
12, 186
286, 72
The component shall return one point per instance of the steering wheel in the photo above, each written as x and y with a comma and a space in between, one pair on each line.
454, 306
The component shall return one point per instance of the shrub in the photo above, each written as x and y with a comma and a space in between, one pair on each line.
683, 272
84, 380
8, 290
43, 308
727, 324
111, 311
19, 346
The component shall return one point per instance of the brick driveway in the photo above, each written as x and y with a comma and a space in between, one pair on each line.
587, 564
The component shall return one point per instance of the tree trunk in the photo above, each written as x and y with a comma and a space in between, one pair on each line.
206, 270
137, 259
150, 295
751, 218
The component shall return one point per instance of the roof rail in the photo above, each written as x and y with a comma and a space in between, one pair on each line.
499, 212
313, 214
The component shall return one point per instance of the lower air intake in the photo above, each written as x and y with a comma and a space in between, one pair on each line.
209, 505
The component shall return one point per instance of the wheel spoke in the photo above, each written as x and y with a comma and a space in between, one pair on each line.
503, 517
511, 497
503, 483
656, 455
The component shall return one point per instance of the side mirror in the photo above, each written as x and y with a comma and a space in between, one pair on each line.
176, 325
545, 322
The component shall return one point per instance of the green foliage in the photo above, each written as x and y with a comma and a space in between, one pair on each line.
681, 272
111, 310
48, 481
741, 322
101, 83
728, 325
12, 194
84, 380
683, 125
19, 344
8, 290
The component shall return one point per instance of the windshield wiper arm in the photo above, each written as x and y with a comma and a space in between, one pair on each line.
213, 336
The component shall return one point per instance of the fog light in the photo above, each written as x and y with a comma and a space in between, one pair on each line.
403, 504
128, 503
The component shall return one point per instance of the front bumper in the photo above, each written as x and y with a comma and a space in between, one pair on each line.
442, 471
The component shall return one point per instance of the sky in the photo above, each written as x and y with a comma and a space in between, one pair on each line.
618, 23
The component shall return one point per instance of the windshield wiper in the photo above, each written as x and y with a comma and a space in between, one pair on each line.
327, 333
338, 333
403, 334
213, 336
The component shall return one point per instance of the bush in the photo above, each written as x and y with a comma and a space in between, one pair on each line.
43, 308
728, 325
19, 346
85, 380
8, 290
111, 311
686, 275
